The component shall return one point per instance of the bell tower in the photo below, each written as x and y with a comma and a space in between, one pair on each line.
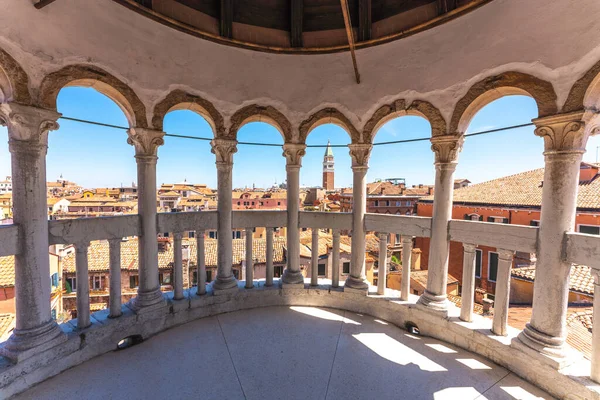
328, 180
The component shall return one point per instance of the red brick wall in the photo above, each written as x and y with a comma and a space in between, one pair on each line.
328, 183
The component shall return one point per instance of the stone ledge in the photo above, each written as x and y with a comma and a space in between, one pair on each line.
105, 333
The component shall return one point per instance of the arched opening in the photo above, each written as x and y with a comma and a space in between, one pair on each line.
14, 82
256, 113
90, 173
186, 182
259, 183
399, 176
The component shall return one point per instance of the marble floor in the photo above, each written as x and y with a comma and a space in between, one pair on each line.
287, 353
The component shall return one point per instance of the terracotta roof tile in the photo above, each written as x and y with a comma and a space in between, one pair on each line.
523, 189
7, 323
581, 279
7, 271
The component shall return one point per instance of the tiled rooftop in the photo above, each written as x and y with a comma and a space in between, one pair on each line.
581, 279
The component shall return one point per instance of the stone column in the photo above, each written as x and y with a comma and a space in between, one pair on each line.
35, 330
293, 152
249, 260
177, 266
146, 143
446, 149
360, 164
565, 138
269, 256
224, 150
382, 268
468, 283
501, 300
407, 246
335, 259
595, 371
201, 261
114, 246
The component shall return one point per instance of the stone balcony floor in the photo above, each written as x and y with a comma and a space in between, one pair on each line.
287, 353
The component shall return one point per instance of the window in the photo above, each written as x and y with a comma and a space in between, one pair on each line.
387, 203
55, 280
278, 203
239, 203
398, 203
492, 267
191, 234
322, 268
277, 271
212, 234
96, 282
72, 283
166, 234
478, 255
208, 275
134, 281
164, 278
237, 235
346, 268
589, 229
195, 278
376, 203
398, 238
534, 223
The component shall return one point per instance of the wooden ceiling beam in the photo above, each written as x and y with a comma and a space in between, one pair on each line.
364, 20
445, 6
43, 3
226, 21
350, 34
296, 21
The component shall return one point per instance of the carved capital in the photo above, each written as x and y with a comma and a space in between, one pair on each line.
562, 133
224, 149
383, 237
447, 148
293, 153
596, 275
506, 255
146, 141
360, 154
27, 124
469, 248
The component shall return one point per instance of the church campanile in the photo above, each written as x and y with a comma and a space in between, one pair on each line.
328, 183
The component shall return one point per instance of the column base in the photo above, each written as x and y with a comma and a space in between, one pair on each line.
24, 343
147, 301
547, 349
292, 278
432, 302
356, 283
224, 285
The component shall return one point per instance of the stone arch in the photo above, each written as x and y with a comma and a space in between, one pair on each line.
14, 82
180, 100
585, 92
102, 81
494, 87
399, 108
256, 113
329, 115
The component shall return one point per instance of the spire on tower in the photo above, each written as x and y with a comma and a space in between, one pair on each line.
328, 151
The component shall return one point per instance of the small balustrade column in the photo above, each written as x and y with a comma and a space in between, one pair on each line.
177, 266
83, 285
224, 149
201, 261
269, 255
249, 260
146, 143
501, 300
468, 282
28, 143
335, 259
565, 137
407, 246
382, 269
360, 164
314, 260
293, 153
595, 374
446, 149
114, 246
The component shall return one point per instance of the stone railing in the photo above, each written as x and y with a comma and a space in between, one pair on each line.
100, 330
507, 239
585, 250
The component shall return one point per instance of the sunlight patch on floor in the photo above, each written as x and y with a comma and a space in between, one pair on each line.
454, 393
396, 352
323, 314
519, 393
441, 348
472, 363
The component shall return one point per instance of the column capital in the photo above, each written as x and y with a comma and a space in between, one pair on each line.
145, 141
28, 124
382, 236
447, 148
407, 239
506, 255
224, 149
293, 153
360, 154
178, 235
596, 275
562, 133
469, 247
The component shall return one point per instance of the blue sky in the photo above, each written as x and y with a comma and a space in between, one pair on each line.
95, 156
